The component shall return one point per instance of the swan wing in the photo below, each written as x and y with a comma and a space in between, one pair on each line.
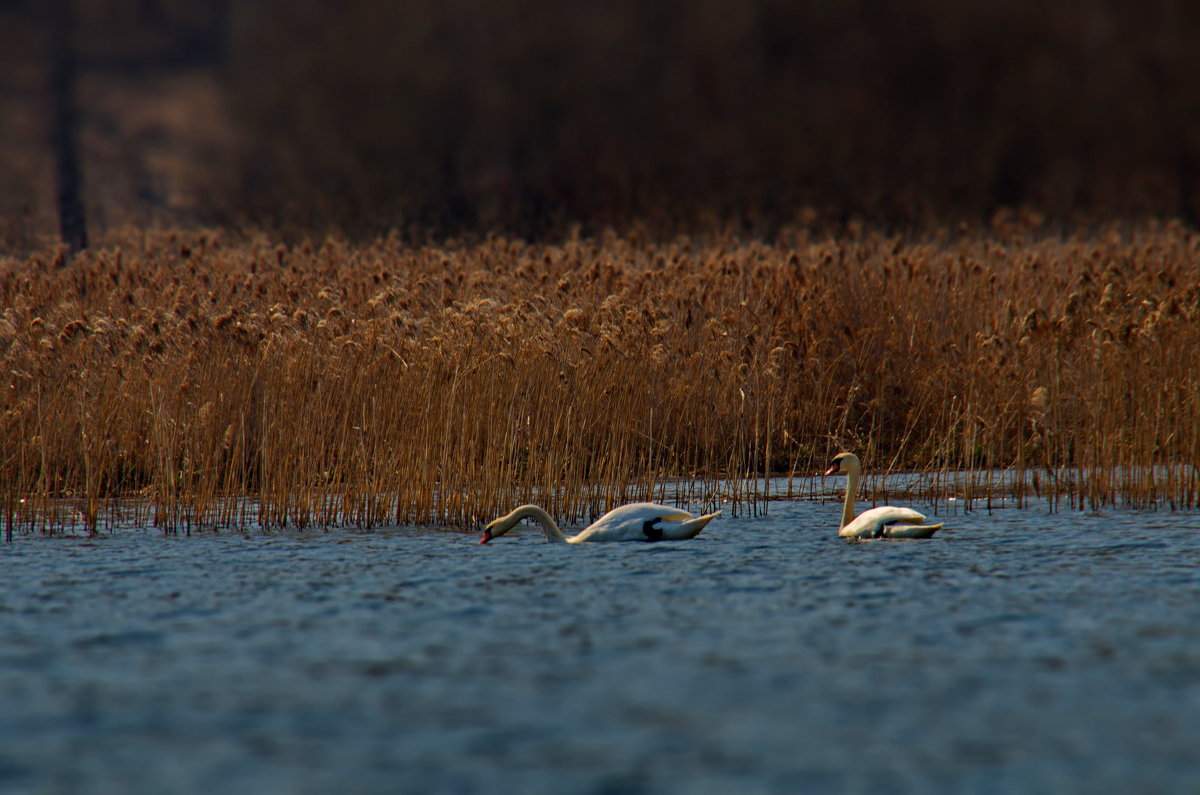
911, 530
878, 522
642, 521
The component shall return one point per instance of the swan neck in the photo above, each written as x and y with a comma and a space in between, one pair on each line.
851, 491
544, 520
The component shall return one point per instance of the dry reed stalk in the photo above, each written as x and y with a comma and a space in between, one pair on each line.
217, 383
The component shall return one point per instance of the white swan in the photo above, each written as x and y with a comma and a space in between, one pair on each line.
638, 521
886, 521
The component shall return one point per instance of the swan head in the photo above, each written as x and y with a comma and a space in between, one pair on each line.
496, 528
492, 531
844, 464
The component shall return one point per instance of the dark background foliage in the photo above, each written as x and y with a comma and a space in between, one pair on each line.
530, 115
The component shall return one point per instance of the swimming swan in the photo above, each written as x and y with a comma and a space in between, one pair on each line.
886, 521
638, 521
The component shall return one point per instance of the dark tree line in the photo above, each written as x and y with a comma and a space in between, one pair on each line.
527, 114
533, 115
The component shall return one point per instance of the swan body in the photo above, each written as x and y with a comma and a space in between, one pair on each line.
886, 521
638, 521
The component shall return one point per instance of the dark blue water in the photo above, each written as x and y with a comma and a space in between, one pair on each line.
1019, 651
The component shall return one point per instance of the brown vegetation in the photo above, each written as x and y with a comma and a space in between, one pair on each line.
201, 381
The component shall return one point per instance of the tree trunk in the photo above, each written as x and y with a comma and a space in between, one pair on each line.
64, 131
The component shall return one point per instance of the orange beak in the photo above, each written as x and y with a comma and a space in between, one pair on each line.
487, 536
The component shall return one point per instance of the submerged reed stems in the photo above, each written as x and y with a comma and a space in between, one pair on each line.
200, 382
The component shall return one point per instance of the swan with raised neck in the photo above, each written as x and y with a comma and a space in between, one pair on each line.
886, 521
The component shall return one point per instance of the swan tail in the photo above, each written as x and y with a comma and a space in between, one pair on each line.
688, 528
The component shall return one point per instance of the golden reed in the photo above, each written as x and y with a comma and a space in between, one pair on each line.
187, 380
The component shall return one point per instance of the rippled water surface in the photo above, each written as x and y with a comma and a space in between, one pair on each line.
1018, 651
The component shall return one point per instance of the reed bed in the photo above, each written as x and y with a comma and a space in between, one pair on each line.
195, 380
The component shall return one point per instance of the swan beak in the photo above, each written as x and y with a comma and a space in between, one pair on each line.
832, 470
487, 536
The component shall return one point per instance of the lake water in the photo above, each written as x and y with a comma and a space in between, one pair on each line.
1020, 651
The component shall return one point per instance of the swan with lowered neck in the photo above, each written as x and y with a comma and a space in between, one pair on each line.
886, 521
638, 521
